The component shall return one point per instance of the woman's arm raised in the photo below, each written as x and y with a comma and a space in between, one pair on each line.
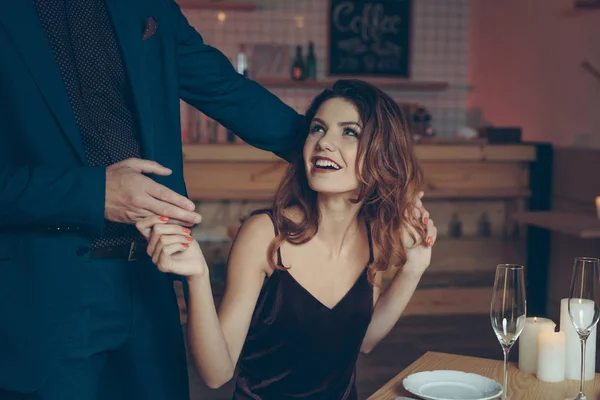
391, 303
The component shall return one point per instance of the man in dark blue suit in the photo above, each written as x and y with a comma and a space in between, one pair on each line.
90, 143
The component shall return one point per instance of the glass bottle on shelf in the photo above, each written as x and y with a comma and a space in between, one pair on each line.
231, 136
211, 130
484, 227
455, 227
242, 61
311, 62
298, 68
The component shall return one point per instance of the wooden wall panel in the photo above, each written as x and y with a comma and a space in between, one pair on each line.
258, 180
243, 180
240, 172
448, 301
475, 175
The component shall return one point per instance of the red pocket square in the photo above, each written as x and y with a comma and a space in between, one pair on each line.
150, 28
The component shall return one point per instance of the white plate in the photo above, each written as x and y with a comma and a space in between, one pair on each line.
451, 385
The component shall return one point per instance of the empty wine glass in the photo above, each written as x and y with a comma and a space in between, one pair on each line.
583, 305
508, 310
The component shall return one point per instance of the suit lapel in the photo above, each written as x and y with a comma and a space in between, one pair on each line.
129, 28
23, 27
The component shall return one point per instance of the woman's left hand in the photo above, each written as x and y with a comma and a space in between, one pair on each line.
419, 254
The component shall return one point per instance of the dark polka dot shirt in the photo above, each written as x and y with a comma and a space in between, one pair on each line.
85, 48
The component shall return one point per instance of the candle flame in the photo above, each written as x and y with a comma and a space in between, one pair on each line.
534, 319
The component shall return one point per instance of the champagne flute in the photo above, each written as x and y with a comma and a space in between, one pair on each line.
508, 310
583, 305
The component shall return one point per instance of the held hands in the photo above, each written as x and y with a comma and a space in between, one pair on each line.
419, 254
131, 196
172, 248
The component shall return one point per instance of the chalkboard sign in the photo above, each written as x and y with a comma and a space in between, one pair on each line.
369, 37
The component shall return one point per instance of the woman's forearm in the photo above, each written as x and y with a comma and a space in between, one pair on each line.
207, 343
389, 307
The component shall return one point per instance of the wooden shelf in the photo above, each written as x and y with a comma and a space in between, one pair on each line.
425, 152
382, 83
583, 226
217, 5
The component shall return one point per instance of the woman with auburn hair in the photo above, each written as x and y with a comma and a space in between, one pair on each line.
304, 285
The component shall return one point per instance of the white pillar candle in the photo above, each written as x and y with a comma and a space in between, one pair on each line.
551, 356
573, 345
528, 342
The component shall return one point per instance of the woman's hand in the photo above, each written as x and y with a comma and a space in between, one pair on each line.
172, 248
419, 254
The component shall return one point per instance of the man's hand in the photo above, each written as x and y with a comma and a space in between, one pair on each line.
131, 196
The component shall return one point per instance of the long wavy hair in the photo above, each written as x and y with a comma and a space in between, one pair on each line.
389, 179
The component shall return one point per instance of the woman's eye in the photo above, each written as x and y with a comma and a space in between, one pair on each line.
350, 132
317, 128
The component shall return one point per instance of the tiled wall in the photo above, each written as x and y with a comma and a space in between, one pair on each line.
439, 53
439, 47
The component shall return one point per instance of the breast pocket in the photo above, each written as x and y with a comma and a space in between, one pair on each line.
154, 48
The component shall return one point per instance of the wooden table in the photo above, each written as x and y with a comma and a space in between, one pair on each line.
583, 226
521, 386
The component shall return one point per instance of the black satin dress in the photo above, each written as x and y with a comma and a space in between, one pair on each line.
298, 348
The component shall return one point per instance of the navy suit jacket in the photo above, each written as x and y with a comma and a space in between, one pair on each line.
52, 202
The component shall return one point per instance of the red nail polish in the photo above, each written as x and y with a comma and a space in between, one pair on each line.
189, 238
164, 219
429, 241
426, 220
187, 231
186, 245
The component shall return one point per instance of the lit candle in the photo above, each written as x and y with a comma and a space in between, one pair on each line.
585, 308
528, 342
551, 356
598, 206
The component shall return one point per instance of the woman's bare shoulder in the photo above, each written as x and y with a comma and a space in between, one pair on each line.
257, 228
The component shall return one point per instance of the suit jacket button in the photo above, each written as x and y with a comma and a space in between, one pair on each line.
82, 251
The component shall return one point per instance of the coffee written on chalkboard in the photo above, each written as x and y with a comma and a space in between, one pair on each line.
370, 37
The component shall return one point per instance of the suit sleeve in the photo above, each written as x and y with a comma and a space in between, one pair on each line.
51, 197
208, 81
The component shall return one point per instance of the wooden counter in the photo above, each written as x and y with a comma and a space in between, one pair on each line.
241, 172
461, 275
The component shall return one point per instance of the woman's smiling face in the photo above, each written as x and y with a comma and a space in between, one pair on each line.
331, 148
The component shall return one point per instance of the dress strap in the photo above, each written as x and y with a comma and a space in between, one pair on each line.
269, 212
